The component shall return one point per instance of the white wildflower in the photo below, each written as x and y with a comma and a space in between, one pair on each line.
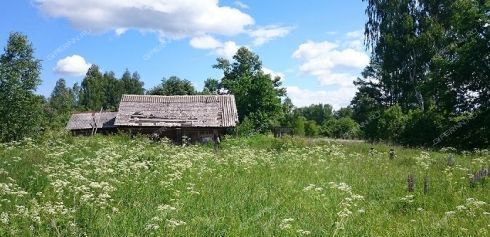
303, 232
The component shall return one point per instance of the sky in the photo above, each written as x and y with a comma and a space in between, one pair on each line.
315, 46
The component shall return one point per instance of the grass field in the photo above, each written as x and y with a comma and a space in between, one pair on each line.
259, 186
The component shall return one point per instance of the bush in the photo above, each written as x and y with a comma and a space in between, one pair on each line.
390, 124
421, 128
311, 128
341, 128
245, 128
299, 125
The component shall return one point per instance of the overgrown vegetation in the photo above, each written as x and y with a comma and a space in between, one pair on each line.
257, 186
427, 84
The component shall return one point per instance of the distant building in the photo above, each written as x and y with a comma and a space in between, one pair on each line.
196, 117
92, 122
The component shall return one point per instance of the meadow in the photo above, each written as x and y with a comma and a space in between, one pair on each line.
257, 186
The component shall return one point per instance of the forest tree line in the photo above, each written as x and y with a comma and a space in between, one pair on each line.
261, 101
427, 83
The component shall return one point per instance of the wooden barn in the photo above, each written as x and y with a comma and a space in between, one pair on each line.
193, 117
92, 122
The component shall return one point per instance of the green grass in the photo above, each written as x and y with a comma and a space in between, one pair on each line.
259, 186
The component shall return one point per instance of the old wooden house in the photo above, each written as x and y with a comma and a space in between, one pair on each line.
92, 122
195, 117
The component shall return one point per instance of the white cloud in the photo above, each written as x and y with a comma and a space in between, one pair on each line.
337, 98
74, 65
329, 63
222, 49
120, 31
170, 18
332, 64
227, 50
273, 73
205, 42
241, 4
265, 34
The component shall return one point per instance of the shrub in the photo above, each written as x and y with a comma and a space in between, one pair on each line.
311, 128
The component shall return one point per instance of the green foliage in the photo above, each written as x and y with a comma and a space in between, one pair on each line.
104, 91
211, 86
20, 108
245, 128
131, 83
345, 128
345, 112
317, 113
429, 59
61, 104
92, 90
390, 124
118, 186
422, 128
113, 91
299, 125
311, 128
257, 95
173, 86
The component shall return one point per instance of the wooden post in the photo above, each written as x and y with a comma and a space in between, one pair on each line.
216, 140
98, 121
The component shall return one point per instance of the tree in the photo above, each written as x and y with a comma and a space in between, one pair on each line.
76, 95
340, 128
211, 86
92, 93
299, 125
311, 128
288, 113
131, 84
431, 59
173, 86
113, 90
257, 95
345, 112
20, 108
62, 99
318, 113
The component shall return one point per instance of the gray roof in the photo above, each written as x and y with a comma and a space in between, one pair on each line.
80, 121
177, 111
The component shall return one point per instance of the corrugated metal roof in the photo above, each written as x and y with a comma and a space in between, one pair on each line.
89, 120
177, 111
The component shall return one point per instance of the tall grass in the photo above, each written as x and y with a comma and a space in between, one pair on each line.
259, 186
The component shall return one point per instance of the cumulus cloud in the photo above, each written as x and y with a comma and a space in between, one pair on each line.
74, 65
205, 42
333, 64
265, 34
273, 73
329, 63
222, 49
337, 98
170, 18
227, 50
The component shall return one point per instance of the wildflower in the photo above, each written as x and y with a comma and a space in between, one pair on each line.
303, 232
4, 218
285, 224
461, 207
309, 187
450, 213
166, 207
152, 227
174, 223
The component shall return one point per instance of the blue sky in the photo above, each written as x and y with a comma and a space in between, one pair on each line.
316, 46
